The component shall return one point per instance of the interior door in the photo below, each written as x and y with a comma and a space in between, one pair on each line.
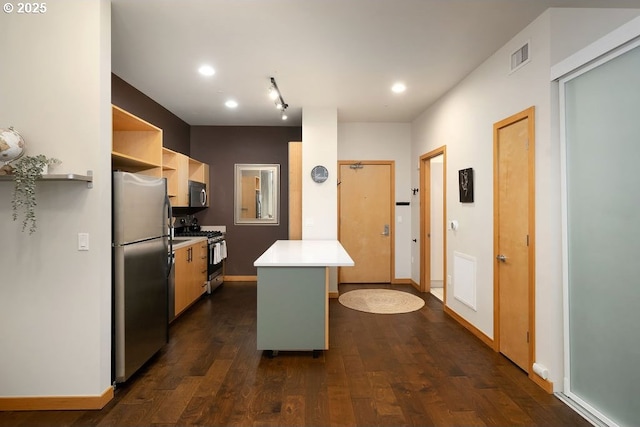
432, 223
365, 193
513, 240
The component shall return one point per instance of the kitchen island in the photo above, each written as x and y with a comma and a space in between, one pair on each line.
293, 294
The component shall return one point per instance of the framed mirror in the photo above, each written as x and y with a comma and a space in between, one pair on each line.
257, 193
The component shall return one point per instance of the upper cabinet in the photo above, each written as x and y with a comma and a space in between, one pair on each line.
137, 147
175, 167
199, 172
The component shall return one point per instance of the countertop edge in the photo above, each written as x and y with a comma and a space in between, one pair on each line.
277, 255
190, 241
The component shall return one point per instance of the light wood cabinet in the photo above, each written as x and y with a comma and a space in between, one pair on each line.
183, 279
199, 268
206, 182
295, 190
136, 144
137, 147
175, 167
196, 170
199, 172
191, 275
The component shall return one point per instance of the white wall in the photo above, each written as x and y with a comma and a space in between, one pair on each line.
594, 23
386, 141
55, 302
319, 147
463, 121
320, 200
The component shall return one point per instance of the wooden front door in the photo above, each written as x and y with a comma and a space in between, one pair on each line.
365, 192
513, 236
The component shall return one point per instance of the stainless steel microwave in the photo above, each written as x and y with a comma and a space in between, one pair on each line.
197, 194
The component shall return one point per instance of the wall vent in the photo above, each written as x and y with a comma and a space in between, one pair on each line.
520, 57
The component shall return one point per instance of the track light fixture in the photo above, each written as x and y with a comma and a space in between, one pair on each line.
276, 97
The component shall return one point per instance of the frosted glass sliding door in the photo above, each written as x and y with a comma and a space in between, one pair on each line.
602, 240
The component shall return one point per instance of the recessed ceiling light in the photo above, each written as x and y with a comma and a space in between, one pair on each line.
398, 87
206, 70
231, 103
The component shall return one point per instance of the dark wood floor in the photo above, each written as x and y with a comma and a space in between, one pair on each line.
419, 368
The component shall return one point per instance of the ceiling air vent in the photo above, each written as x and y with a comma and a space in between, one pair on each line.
520, 57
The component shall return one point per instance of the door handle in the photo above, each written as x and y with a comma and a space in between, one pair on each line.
501, 258
385, 231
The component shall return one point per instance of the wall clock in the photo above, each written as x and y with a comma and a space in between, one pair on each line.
319, 173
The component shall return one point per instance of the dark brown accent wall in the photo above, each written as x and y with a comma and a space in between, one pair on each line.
224, 146
175, 131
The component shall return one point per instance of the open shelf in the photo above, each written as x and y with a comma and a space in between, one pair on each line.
130, 163
137, 147
88, 178
136, 144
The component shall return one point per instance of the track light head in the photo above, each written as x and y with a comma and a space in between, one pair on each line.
276, 97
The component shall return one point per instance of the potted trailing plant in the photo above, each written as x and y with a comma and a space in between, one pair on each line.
26, 172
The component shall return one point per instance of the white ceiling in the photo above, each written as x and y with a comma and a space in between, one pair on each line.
344, 54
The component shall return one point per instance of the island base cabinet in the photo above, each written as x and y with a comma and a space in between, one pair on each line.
293, 310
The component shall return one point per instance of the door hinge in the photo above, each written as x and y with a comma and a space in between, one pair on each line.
527, 336
527, 240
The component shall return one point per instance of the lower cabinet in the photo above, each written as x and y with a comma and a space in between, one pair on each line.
191, 274
199, 268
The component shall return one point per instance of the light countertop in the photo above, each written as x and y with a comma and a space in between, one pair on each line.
305, 253
182, 241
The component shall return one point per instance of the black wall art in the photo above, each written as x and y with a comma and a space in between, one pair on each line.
465, 182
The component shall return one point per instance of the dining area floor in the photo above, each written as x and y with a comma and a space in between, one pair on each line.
420, 368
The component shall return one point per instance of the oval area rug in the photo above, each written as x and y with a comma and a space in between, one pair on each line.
381, 301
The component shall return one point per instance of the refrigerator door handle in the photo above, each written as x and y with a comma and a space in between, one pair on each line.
169, 228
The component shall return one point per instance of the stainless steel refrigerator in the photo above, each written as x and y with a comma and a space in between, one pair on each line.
141, 266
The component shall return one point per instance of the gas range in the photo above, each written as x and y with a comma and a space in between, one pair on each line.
212, 236
216, 253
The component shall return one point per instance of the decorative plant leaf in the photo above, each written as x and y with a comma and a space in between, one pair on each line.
26, 172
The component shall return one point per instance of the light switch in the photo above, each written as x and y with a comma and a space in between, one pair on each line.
83, 241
